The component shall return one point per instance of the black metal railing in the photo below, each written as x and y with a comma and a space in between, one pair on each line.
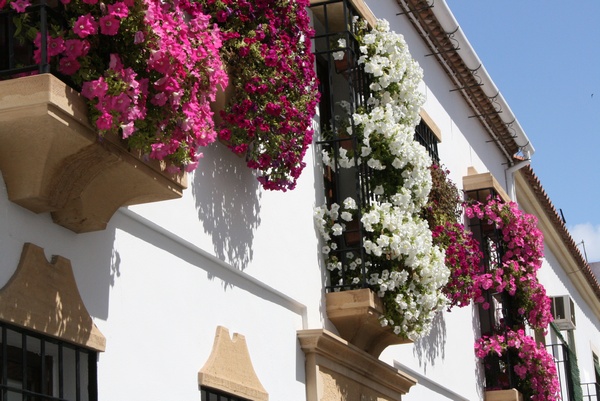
562, 358
425, 136
344, 88
37, 367
499, 316
591, 391
18, 32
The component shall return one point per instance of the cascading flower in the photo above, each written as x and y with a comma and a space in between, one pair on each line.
532, 365
401, 263
521, 250
267, 46
148, 68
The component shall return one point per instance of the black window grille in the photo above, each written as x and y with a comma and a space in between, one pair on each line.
563, 360
35, 367
591, 391
17, 44
210, 394
344, 88
497, 318
425, 136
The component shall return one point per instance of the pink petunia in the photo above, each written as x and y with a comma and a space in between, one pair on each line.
109, 25
92, 89
20, 5
119, 9
75, 48
138, 37
55, 45
120, 103
68, 66
85, 25
128, 129
104, 122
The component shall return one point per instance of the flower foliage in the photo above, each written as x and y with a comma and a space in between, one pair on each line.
266, 45
463, 258
533, 366
443, 212
149, 69
401, 262
521, 246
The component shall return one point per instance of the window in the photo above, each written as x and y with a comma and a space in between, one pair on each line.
426, 137
591, 391
35, 367
209, 394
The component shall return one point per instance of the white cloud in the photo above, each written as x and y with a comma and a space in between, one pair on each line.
590, 235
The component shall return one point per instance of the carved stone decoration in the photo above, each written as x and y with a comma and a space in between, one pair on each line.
229, 368
43, 297
356, 315
338, 371
52, 160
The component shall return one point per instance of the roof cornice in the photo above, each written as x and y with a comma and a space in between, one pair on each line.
460, 62
533, 196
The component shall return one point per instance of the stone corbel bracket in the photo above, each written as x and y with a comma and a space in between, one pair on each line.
355, 314
339, 371
52, 160
43, 297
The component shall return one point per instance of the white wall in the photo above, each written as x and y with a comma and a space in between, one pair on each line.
445, 359
162, 276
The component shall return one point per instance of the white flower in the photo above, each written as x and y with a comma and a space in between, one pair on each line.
325, 250
337, 229
346, 216
350, 204
339, 55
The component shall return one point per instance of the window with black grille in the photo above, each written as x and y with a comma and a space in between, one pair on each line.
35, 367
425, 136
210, 394
345, 89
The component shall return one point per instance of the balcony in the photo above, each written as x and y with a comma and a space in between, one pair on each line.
51, 158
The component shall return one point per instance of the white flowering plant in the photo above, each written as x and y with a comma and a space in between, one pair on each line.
400, 264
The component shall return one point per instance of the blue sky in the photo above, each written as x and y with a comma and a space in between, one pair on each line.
544, 56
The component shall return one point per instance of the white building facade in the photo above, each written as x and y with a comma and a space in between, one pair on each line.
168, 283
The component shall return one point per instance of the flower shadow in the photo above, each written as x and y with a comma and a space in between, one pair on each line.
227, 197
433, 346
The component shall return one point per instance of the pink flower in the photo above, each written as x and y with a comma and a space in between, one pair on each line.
55, 45
138, 37
20, 5
68, 66
109, 25
159, 99
90, 2
120, 103
85, 25
92, 89
128, 129
75, 48
115, 62
118, 9
104, 122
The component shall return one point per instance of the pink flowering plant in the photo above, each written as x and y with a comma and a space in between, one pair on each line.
149, 69
267, 47
520, 247
443, 212
531, 364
